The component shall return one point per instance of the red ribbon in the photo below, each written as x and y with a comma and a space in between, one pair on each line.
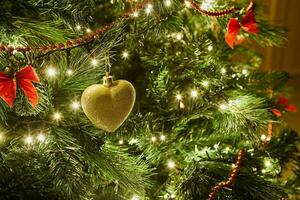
284, 103
25, 78
247, 23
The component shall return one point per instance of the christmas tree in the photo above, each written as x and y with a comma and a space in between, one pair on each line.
142, 100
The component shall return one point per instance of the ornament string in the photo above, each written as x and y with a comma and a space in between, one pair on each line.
228, 183
220, 13
107, 65
89, 37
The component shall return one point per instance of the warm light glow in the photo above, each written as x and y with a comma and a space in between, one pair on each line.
181, 105
173, 196
135, 14
94, 62
205, 83
153, 139
268, 163
168, 3
57, 116
263, 137
121, 142
223, 106
78, 27
179, 36
69, 72
135, 197
194, 93
179, 97
263, 171
28, 139
187, 3
162, 138
210, 48
149, 8
75, 105
41, 137
245, 71
88, 30
1, 136
233, 166
166, 196
125, 54
223, 71
171, 164
51, 72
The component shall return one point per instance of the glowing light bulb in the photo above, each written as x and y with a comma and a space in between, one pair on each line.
223, 106
51, 72
168, 3
135, 197
1, 136
135, 14
153, 139
121, 142
75, 105
194, 93
149, 8
233, 166
216, 146
69, 72
78, 27
268, 163
166, 196
254, 169
263, 171
41, 137
223, 71
88, 30
181, 105
245, 71
125, 54
179, 97
210, 48
162, 138
179, 36
263, 137
171, 164
187, 4
173, 196
28, 139
205, 83
57, 116
94, 62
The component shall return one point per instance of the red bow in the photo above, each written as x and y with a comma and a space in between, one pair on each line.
24, 78
284, 102
233, 27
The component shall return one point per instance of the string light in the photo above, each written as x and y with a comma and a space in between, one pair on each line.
168, 3
88, 30
94, 62
28, 139
263, 171
245, 71
181, 105
51, 72
75, 105
125, 54
171, 164
210, 48
135, 197
233, 165
187, 4
69, 72
173, 196
162, 138
121, 142
153, 139
223, 106
149, 8
41, 137
1, 136
57, 116
179, 97
263, 137
78, 27
166, 196
194, 93
179, 36
223, 71
268, 163
205, 83
135, 14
